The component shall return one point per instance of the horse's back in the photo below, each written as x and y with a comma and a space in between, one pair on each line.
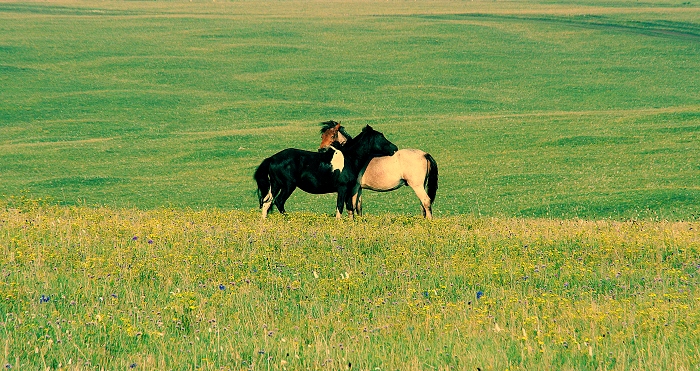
291, 162
300, 156
292, 153
311, 171
410, 156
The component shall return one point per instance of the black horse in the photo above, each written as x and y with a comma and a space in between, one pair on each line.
319, 172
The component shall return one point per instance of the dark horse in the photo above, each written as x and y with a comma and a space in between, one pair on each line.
407, 166
313, 172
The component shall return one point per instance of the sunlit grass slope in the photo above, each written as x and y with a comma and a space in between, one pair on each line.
112, 289
536, 108
566, 134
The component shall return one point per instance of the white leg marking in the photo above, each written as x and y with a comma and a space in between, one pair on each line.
268, 197
267, 202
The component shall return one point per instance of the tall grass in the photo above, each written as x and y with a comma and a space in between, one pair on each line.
102, 288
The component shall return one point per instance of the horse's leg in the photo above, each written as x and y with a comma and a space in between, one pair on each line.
357, 201
352, 200
340, 203
282, 197
425, 205
349, 204
267, 202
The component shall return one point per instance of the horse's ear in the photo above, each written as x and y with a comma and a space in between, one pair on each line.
337, 127
366, 128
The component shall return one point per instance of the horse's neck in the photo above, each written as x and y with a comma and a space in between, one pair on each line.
356, 155
343, 137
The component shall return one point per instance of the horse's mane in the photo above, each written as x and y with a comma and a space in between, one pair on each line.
331, 124
327, 125
365, 131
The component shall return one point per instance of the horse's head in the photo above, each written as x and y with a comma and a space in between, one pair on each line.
329, 135
377, 144
332, 132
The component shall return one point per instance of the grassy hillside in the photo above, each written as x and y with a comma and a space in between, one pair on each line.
546, 109
112, 289
567, 138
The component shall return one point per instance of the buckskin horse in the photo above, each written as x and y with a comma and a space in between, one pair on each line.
335, 170
411, 167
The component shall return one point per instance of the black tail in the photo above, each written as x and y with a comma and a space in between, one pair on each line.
431, 179
262, 177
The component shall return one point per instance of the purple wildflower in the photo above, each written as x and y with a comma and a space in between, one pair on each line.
479, 294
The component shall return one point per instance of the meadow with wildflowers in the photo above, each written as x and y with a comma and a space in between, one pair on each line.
112, 289
566, 234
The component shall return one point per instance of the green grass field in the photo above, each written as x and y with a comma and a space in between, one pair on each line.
567, 135
541, 109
